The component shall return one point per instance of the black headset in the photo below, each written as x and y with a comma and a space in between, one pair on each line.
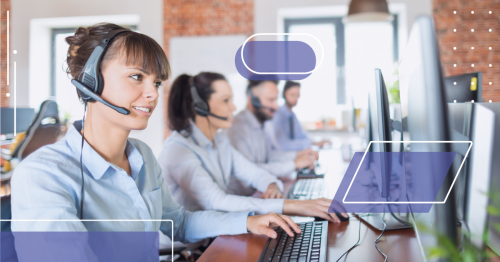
256, 101
90, 88
201, 106
90, 83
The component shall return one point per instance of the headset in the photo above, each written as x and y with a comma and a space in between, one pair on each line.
201, 106
91, 86
255, 101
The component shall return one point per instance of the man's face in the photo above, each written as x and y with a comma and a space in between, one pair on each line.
268, 93
292, 96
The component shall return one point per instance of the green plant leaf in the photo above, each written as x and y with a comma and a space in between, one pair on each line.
492, 210
497, 227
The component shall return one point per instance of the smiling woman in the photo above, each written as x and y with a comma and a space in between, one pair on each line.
98, 167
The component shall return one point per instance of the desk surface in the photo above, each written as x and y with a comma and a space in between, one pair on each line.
398, 245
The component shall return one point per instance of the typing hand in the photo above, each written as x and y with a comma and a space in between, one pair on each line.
304, 161
308, 152
263, 224
272, 192
311, 208
322, 143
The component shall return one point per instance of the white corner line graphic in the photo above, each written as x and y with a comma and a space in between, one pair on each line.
407, 202
282, 73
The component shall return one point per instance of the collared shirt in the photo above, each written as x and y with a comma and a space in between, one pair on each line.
247, 135
288, 132
47, 185
201, 176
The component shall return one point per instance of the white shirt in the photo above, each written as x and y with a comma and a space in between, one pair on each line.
191, 169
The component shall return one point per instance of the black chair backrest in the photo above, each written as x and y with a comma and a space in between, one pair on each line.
43, 130
5, 213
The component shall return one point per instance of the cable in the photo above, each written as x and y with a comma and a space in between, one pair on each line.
359, 231
394, 216
376, 240
81, 162
355, 245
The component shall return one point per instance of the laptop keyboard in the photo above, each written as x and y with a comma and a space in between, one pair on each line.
309, 246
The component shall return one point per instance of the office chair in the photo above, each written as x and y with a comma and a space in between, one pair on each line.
42, 131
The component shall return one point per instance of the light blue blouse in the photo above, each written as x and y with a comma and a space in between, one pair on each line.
47, 185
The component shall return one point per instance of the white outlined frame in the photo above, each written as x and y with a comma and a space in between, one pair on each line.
407, 202
282, 73
98, 220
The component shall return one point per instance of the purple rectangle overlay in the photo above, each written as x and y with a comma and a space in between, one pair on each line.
276, 59
393, 177
79, 246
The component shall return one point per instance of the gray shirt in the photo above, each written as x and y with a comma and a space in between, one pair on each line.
191, 169
247, 135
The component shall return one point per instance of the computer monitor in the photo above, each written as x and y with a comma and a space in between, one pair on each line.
464, 88
423, 104
484, 176
384, 132
23, 119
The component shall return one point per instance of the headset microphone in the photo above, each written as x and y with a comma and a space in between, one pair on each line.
201, 107
97, 98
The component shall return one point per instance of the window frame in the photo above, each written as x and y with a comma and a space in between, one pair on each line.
340, 42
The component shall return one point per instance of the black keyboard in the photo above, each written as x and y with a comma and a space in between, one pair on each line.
317, 172
305, 189
309, 246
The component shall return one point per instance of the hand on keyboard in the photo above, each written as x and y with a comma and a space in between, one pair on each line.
272, 192
311, 208
263, 224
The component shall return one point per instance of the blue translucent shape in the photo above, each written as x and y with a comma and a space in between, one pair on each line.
279, 57
411, 177
79, 246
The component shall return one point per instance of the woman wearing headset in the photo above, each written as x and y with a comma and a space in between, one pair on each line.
122, 179
201, 167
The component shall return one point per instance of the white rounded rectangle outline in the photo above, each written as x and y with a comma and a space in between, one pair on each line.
99, 220
282, 73
407, 202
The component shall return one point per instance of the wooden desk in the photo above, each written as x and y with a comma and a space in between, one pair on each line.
398, 245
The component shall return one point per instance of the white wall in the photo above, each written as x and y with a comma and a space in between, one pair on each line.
194, 54
150, 13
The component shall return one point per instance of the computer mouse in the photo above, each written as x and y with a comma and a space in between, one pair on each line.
342, 218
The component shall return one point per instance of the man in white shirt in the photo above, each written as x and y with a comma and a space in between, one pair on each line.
247, 133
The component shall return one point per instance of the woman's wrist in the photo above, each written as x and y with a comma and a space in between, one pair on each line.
289, 207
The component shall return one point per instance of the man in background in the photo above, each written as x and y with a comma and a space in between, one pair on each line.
286, 129
247, 133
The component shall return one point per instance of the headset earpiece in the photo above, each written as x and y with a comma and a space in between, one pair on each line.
90, 83
201, 107
254, 100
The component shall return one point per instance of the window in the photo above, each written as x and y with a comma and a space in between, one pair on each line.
352, 52
61, 87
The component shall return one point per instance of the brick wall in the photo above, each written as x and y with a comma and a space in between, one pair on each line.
4, 7
204, 17
464, 39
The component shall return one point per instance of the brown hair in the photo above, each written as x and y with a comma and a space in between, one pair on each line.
137, 48
180, 102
